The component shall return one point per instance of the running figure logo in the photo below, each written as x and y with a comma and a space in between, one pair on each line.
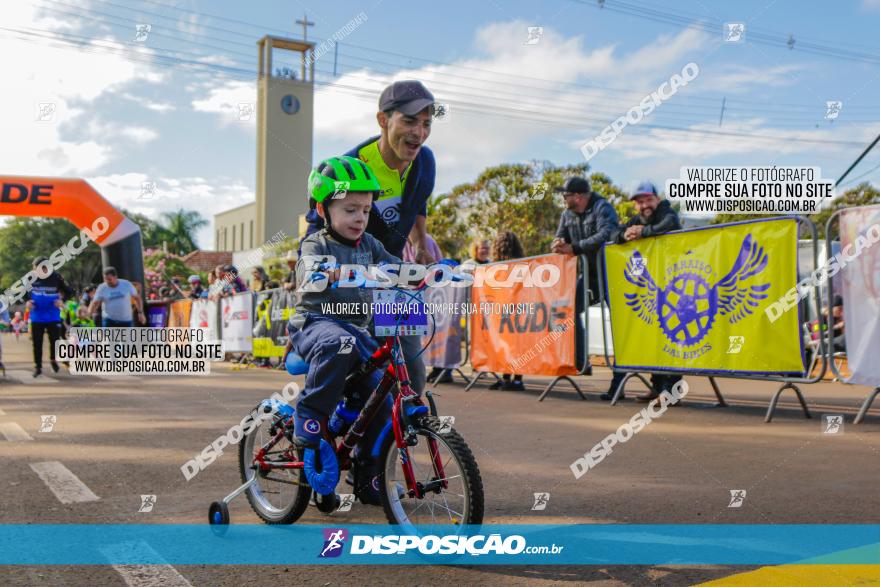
832, 109
334, 540
147, 503
734, 32
833, 424
639, 264
535, 34
736, 344
340, 189
45, 111
737, 497
48, 422
346, 345
346, 500
541, 500
446, 423
141, 32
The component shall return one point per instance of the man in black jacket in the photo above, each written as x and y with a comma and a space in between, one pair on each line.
654, 216
589, 221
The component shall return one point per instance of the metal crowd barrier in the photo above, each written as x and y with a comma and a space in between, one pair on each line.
787, 382
827, 346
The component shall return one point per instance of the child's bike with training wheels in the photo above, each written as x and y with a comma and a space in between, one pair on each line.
427, 475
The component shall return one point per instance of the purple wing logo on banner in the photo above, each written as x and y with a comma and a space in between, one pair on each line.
687, 307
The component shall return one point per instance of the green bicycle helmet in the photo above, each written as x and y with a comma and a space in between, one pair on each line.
340, 175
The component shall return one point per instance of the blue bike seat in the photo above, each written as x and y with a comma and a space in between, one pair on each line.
295, 364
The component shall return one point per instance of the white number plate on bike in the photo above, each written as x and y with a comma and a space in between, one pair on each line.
399, 314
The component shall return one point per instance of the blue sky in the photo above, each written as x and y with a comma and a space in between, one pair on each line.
128, 112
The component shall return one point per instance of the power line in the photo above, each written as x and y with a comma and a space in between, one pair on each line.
529, 81
490, 109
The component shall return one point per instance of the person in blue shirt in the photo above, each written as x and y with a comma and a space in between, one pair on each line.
45, 301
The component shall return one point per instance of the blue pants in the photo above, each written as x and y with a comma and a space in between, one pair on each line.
108, 323
319, 343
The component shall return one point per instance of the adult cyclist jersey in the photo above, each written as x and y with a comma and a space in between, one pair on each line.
388, 204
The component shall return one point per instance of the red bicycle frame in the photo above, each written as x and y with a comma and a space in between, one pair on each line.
395, 372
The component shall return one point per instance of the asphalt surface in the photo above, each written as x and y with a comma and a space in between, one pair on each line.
127, 438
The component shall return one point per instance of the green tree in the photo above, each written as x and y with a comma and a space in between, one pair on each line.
153, 234
516, 197
19, 246
182, 226
862, 195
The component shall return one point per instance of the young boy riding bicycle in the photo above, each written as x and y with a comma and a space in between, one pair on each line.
335, 342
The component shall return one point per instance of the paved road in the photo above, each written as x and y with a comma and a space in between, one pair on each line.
114, 440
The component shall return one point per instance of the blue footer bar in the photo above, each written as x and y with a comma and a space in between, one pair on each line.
585, 544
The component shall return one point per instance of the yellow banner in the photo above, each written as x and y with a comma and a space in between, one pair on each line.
695, 301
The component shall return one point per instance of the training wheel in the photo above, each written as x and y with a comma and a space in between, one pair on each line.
218, 516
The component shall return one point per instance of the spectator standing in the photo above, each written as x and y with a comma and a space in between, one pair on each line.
653, 217
588, 222
290, 280
45, 301
506, 247
5, 322
479, 251
259, 279
115, 298
196, 291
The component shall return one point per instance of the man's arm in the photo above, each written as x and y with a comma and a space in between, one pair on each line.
606, 223
93, 307
418, 238
138, 303
561, 239
618, 235
668, 223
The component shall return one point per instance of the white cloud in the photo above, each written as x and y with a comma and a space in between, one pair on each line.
480, 134
139, 134
160, 107
125, 190
742, 78
232, 101
58, 74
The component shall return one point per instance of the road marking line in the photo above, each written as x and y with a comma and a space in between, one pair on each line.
64, 484
27, 377
153, 575
117, 378
13, 432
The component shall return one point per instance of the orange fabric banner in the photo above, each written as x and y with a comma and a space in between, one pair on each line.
178, 314
525, 325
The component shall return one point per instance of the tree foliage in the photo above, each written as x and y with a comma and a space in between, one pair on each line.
515, 197
861, 195
24, 239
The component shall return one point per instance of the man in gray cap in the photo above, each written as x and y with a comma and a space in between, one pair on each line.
653, 217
